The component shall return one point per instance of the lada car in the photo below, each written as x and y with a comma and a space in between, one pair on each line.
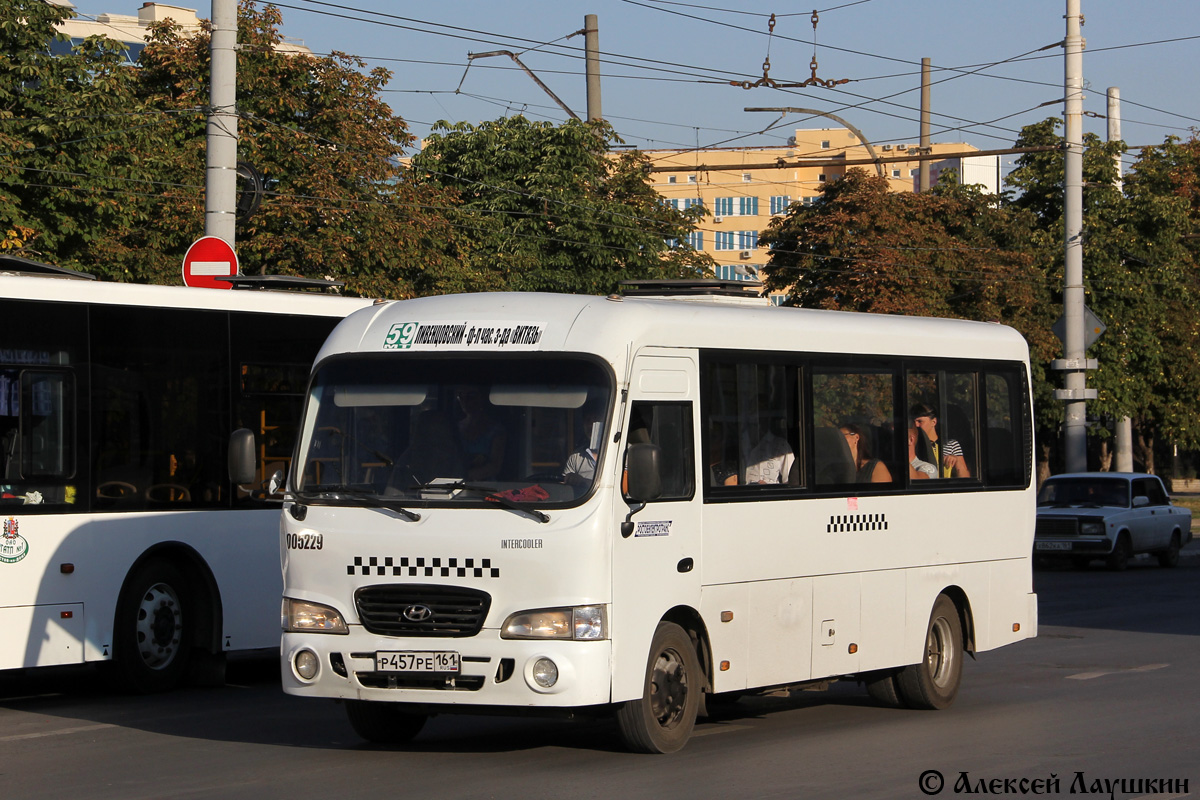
1111, 515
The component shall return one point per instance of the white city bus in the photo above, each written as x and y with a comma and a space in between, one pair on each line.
123, 538
625, 505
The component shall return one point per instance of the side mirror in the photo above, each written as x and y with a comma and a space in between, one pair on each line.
275, 483
243, 465
1141, 500
643, 465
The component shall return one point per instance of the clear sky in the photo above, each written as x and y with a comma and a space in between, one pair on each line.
667, 64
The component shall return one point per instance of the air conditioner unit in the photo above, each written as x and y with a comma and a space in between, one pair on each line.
744, 254
887, 147
718, 219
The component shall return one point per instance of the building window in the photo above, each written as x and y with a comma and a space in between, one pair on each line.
671, 179
723, 207
747, 240
696, 240
895, 173
691, 178
780, 203
912, 173
746, 177
692, 202
723, 240
748, 206
671, 202
821, 177
825, 144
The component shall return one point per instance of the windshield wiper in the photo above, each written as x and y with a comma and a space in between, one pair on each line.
368, 499
489, 493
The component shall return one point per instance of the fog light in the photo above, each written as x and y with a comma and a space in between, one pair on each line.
306, 664
545, 673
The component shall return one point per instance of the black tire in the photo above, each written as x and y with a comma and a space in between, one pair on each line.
153, 628
933, 682
1170, 557
384, 723
883, 689
1122, 551
662, 719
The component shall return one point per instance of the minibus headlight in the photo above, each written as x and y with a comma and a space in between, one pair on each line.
301, 616
582, 623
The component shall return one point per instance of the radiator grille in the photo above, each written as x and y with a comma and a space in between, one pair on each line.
1051, 527
452, 611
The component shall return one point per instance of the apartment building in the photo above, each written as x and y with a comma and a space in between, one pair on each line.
743, 188
132, 29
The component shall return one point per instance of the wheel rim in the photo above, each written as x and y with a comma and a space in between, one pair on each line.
668, 689
159, 626
940, 654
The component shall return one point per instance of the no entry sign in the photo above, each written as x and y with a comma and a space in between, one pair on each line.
207, 261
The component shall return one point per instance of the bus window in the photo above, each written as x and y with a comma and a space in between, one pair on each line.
942, 406
668, 425
1004, 397
751, 424
854, 427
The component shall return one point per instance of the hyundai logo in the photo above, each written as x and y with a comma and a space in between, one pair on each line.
417, 613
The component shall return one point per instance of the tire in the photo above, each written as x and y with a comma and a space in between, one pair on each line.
883, 689
153, 629
384, 723
662, 719
933, 682
1122, 551
1170, 557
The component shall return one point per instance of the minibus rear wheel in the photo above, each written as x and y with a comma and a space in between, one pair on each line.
384, 723
933, 682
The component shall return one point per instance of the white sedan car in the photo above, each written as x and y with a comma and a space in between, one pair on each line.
1109, 515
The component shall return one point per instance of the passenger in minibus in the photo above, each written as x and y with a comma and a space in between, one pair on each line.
866, 468
918, 469
948, 453
769, 461
579, 470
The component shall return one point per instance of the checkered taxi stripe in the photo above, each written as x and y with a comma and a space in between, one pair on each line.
847, 523
427, 567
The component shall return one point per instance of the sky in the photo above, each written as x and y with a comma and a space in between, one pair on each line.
666, 65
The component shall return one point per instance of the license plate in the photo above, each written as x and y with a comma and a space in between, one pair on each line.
1052, 545
417, 661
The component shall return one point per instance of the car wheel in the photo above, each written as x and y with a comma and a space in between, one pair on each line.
1170, 556
1122, 551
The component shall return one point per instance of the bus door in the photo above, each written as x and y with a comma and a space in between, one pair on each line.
656, 559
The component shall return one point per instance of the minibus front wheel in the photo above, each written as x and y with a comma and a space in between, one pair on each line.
662, 719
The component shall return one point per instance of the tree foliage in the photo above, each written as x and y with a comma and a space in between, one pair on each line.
548, 208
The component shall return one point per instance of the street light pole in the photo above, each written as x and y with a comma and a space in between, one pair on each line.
220, 174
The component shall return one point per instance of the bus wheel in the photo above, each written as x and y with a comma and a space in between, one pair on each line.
151, 638
883, 688
662, 719
384, 723
933, 683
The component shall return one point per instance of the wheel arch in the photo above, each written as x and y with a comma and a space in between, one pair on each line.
966, 616
692, 623
202, 583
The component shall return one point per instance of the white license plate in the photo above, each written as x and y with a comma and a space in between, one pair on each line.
417, 661
1052, 545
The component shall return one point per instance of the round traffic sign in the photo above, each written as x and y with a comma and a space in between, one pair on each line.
209, 259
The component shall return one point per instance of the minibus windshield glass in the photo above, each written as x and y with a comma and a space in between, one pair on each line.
452, 430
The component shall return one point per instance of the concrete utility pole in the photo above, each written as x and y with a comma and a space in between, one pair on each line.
591, 47
1075, 393
1123, 450
923, 167
220, 176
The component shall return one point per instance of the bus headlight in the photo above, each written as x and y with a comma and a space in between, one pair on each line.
581, 623
301, 616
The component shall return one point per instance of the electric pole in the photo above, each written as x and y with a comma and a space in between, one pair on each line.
1074, 363
926, 146
220, 175
591, 46
1124, 433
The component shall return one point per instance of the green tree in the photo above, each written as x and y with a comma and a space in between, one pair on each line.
70, 135
1138, 275
550, 208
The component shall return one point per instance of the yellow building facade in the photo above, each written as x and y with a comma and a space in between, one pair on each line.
744, 188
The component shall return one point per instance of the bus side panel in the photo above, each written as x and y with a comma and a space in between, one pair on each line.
1013, 615
924, 586
837, 609
884, 628
730, 640
59, 635
781, 615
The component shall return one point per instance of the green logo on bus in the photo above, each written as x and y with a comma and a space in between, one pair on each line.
13, 546
401, 336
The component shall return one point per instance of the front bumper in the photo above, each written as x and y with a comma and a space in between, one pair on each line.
494, 671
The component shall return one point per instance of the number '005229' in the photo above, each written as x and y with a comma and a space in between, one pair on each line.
304, 541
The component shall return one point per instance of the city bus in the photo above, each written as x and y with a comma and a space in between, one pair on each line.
641, 504
123, 539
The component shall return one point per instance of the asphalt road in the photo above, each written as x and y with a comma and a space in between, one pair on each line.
1109, 691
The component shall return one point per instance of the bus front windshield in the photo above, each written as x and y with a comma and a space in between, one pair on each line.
454, 430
